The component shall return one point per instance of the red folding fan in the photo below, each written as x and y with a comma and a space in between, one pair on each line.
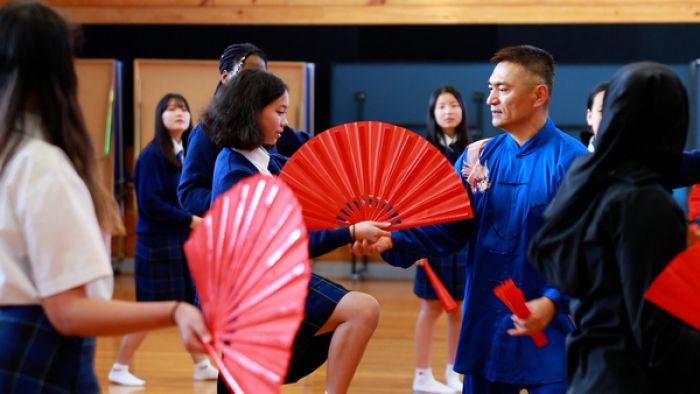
677, 288
250, 264
374, 171
514, 299
448, 303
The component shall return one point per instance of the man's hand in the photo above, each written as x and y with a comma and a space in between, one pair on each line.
542, 311
365, 247
369, 231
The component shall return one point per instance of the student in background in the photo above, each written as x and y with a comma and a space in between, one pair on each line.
55, 273
194, 191
447, 131
594, 111
163, 227
689, 169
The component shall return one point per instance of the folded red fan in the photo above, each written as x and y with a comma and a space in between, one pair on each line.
675, 289
374, 171
448, 303
250, 264
514, 299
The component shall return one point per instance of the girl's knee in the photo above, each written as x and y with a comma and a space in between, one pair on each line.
361, 306
432, 307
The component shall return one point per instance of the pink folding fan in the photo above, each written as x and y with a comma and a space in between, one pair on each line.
250, 264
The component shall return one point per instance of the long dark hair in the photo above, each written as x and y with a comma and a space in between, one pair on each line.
434, 132
161, 136
37, 75
231, 119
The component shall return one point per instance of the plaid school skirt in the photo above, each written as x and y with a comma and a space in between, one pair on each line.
161, 271
310, 351
452, 271
35, 358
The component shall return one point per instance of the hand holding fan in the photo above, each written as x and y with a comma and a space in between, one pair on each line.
250, 264
677, 288
514, 299
448, 303
374, 171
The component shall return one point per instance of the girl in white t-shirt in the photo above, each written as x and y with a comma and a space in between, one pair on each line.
55, 274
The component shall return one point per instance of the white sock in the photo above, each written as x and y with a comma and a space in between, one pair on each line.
424, 381
424, 373
203, 364
203, 370
452, 377
120, 374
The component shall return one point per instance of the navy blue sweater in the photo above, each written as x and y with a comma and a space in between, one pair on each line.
194, 191
156, 182
231, 167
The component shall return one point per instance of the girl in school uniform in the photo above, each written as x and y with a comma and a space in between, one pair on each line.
447, 131
55, 273
248, 114
162, 229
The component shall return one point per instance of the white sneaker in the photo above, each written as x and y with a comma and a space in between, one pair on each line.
452, 379
424, 382
205, 371
120, 374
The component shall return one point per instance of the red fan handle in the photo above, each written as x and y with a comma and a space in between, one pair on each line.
539, 338
223, 370
514, 299
448, 303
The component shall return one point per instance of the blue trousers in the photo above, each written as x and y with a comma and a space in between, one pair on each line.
476, 384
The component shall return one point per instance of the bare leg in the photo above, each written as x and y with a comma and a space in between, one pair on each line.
197, 357
454, 323
354, 321
425, 328
129, 345
120, 370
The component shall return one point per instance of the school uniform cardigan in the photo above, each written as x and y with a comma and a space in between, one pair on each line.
194, 191
231, 167
156, 182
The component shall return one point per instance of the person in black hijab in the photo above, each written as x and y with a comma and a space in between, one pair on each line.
611, 229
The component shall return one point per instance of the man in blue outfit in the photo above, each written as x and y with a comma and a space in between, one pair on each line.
510, 179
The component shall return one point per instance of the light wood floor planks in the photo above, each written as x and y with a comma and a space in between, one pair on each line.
387, 366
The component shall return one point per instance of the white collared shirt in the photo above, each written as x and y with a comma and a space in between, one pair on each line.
178, 148
259, 157
50, 240
591, 145
446, 140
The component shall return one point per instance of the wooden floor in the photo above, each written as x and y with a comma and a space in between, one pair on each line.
387, 366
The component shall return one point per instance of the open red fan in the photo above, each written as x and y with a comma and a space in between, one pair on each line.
514, 299
448, 303
677, 288
250, 264
374, 171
